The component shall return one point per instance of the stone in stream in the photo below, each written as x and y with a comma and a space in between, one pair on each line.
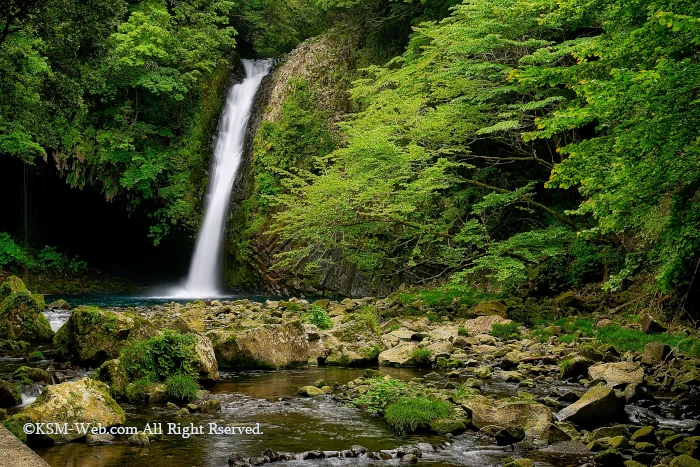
619, 373
689, 446
82, 401
59, 304
534, 419
9, 394
92, 335
139, 439
190, 321
21, 316
684, 460
598, 405
268, 346
310, 391
210, 406
97, 440
28, 375
401, 355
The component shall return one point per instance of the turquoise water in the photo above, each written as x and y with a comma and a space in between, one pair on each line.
143, 299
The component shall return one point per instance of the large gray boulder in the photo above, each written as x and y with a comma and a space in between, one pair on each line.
84, 401
598, 405
401, 355
617, 373
268, 346
483, 324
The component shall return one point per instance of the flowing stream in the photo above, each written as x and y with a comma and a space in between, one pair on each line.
203, 280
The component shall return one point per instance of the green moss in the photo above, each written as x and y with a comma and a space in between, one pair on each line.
421, 357
462, 331
442, 296
505, 331
138, 390
15, 426
161, 356
411, 415
21, 318
35, 356
11, 285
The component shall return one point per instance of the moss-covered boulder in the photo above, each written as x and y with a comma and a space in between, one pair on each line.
29, 375
82, 401
20, 313
12, 284
154, 360
268, 346
9, 395
598, 405
190, 321
92, 335
401, 355
534, 419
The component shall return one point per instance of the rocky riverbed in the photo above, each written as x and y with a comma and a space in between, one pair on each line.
459, 385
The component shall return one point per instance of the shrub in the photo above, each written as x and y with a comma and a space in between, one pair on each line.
160, 357
462, 331
35, 356
504, 331
410, 415
319, 317
181, 387
381, 393
421, 357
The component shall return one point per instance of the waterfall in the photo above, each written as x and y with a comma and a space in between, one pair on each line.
204, 278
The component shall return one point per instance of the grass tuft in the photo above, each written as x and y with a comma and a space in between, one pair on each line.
410, 415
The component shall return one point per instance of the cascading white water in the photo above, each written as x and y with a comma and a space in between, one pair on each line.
203, 280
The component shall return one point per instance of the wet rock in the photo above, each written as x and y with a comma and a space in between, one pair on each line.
370, 373
193, 408
689, 446
268, 346
82, 401
511, 376
650, 325
235, 459
575, 368
447, 425
28, 375
92, 335
171, 406
671, 441
617, 373
183, 412
59, 304
598, 405
97, 440
619, 442
608, 432
401, 355
139, 439
310, 391
210, 406
21, 316
491, 308
483, 324
271, 454
645, 434
9, 394
207, 368
534, 419
509, 435
655, 353
609, 458
684, 460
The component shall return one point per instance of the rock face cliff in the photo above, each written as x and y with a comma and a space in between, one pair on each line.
303, 98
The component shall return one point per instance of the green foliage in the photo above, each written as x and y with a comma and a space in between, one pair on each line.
410, 415
421, 357
319, 317
631, 339
138, 390
451, 294
12, 255
462, 331
505, 331
35, 356
381, 393
182, 387
51, 259
160, 357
